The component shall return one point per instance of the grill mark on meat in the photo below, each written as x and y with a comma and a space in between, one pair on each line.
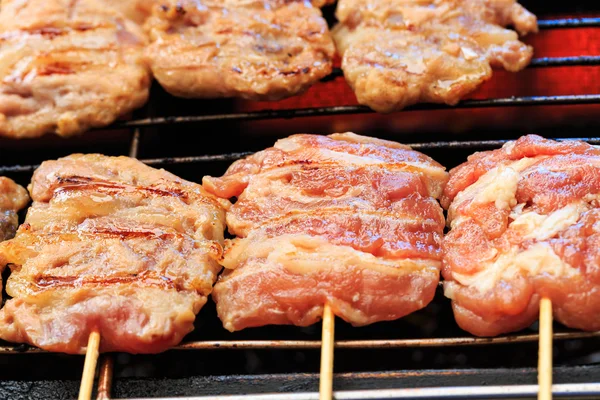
83, 183
50, 32
212, 249
56, 68
307, 164
79, 235
144, 279
132, 233
75, 182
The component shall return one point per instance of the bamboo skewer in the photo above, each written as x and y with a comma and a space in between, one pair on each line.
89, 367
545, 351
327, 344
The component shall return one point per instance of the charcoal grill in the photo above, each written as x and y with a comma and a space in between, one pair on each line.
422, 356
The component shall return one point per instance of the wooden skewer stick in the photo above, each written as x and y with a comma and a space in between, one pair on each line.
89, 367
545, 351
326, 382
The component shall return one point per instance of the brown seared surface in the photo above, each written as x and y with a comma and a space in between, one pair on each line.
541, 239
341, 219
258, 49
12, 199
396, 53
67, 66
114, 245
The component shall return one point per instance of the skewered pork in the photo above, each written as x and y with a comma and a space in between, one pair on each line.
524, 225
257, 49
12, 199
67, 66
400, 52
343, 219
111, 245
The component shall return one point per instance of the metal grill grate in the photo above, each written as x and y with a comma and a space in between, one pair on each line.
469, 390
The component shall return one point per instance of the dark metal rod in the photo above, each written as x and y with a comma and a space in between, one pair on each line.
574, 61
569, 390
194, 159
18, 168
236, 156
484, 143
378, 344
105, 377
135, 143
248, 116
344, 110
569, 23
346, 344
565, 61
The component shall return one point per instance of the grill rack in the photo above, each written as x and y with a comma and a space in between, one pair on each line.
136, 126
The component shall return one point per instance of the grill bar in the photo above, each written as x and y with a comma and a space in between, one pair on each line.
379, 344
135, 143
164, 161
575, 61
337, 72
565, 61
344, 110
569, 23
571, 391
346, 344
105, 377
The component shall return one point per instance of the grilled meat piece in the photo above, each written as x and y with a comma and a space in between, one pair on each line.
524, 225
343, 219
67, 66
12, 199
258, 49
112, 245
400, 52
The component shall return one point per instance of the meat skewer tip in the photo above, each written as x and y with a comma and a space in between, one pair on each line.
89, 367
545, 351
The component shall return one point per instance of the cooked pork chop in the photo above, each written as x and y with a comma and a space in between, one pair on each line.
524, 225
341, 219
400, 52
12, 199
112, 245
255, 49
67, 66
